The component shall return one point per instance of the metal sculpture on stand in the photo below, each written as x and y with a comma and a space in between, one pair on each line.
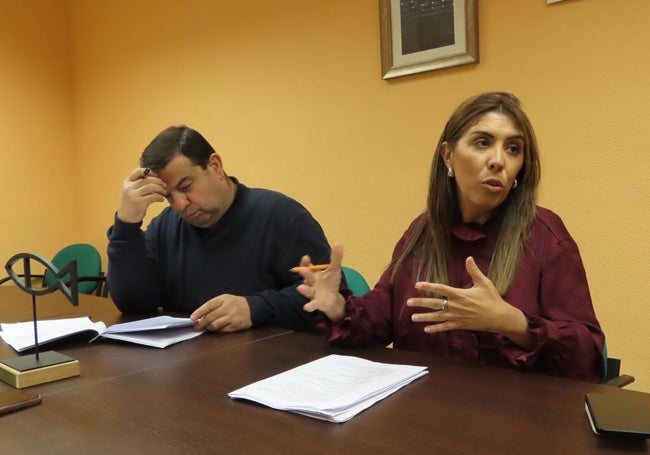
37, 368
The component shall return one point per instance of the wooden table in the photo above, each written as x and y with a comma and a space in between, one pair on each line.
133, 400
105, 360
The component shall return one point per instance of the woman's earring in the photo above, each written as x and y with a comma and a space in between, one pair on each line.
515, 184
450, 172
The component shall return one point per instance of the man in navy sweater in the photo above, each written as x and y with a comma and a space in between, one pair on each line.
221, 251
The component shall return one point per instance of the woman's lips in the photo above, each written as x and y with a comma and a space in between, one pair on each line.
493, 185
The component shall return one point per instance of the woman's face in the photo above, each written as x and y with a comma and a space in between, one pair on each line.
486, 161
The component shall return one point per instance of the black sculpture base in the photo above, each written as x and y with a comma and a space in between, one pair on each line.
27, 371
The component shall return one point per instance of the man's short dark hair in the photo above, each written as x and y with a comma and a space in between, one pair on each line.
176, 140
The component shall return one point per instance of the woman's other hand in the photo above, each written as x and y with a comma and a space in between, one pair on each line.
477, 308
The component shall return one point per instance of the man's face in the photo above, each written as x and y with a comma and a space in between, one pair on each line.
200, 196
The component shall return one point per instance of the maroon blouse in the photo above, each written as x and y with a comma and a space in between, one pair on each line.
550, 287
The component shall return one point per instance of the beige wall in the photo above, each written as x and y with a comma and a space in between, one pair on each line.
290, 94
37, 171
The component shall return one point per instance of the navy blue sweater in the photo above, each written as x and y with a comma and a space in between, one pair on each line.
179, 267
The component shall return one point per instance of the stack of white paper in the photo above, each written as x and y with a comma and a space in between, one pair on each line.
334, 388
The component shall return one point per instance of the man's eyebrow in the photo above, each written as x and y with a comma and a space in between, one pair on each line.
182, 181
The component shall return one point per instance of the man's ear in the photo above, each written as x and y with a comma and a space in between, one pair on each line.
214, 162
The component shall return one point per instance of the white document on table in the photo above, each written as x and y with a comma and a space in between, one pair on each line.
159, 331
333, 388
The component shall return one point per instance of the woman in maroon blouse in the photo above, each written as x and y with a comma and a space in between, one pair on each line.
484, 274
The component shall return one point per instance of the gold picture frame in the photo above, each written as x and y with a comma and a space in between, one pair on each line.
419, 35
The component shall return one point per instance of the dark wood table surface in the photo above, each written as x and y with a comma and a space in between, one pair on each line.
103, 360
131, 399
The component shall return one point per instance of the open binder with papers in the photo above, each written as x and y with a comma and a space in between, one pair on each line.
158, 332
333, 388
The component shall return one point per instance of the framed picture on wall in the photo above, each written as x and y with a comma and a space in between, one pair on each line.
426, 35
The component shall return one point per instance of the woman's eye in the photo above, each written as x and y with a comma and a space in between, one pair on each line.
514, 149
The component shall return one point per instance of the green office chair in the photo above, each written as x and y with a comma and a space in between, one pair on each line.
89, 268
613, 374
356, 282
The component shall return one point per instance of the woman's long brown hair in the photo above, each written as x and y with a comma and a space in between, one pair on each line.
430, 246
